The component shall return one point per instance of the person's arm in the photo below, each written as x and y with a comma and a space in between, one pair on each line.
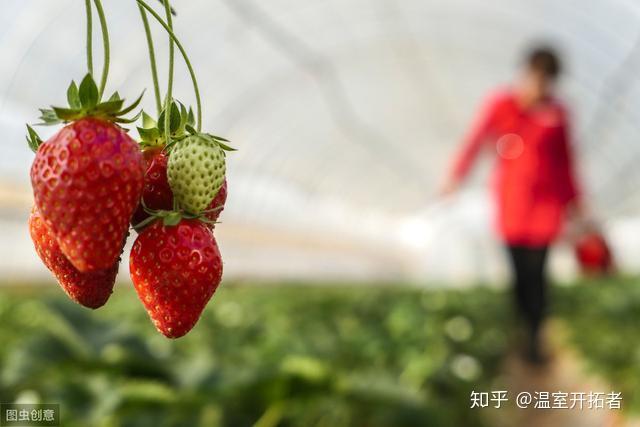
566, 170
472, 144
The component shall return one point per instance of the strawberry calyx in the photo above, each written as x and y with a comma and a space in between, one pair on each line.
171, 218
153, 133
84, 101
181, 125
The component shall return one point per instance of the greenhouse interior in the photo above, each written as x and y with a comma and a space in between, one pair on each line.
355, 291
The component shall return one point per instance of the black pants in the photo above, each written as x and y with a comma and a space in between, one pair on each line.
530, 285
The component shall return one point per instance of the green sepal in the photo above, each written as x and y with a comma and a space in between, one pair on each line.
148, 122
169, 218
150, 137
189, 128
89, 94
224, 146
133, 106
73, 96
48, 117
110, 107
153, 132
191, 118
172, 219
33, 139
127, 121
67, 114
219, 140
175, 119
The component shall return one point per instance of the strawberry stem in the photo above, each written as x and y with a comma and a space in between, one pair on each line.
169, 99
105, 41
89, 36
152, 59
184, 56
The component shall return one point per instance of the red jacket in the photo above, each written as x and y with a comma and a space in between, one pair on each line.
533, 179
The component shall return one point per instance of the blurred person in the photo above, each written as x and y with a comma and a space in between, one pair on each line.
534, 185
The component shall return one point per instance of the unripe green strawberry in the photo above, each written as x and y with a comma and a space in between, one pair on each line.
196, 172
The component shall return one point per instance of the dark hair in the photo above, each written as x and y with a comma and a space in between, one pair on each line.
545, 60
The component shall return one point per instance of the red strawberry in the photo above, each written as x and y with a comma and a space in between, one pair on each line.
89, 289
217, 204
175, 270
157, 193
87, 181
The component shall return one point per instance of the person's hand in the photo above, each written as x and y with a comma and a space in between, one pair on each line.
577, 212
579, 216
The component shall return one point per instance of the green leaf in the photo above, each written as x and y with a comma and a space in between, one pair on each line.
73, 97
88, 92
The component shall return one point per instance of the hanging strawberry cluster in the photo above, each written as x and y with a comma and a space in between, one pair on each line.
92, 182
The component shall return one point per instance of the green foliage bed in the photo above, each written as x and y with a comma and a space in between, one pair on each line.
604, 322
291, 355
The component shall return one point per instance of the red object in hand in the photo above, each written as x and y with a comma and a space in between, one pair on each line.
593, 254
